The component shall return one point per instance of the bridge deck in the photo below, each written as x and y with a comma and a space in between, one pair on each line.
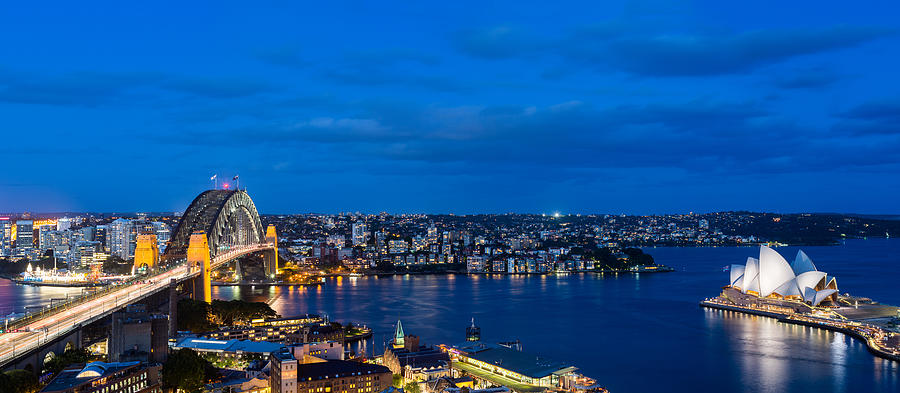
76, 313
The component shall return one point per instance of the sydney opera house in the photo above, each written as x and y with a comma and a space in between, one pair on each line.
771, 277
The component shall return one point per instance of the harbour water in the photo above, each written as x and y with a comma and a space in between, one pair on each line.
634, 333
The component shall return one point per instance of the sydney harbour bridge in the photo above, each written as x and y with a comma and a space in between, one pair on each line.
218, 227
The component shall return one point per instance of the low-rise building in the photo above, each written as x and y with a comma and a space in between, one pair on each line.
288, 375
100, 377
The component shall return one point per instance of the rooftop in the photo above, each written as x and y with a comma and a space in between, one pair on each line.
228, 346
83, 374
337, 369
524, 363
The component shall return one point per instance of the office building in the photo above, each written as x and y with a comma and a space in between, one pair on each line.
24, 234
5, 236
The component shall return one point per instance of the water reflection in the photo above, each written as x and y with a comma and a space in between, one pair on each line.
634, 333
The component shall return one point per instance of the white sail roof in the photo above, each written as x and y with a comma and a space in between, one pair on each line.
821, 295
737, 275
802, 264
789, 288
810, 280
771, 273
751, 276
809, 294
774, 271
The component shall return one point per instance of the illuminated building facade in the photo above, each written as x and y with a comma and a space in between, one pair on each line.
24, 234
359, 234
415, 362
771, 276
101, 377
333, 376
304, 329
117, 238
5, 236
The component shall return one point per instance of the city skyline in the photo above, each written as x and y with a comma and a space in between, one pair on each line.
635, 107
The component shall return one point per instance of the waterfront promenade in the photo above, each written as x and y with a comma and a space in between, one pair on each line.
879, 341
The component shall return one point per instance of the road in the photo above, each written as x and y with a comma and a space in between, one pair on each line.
59, 324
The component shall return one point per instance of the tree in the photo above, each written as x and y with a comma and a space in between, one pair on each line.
71, 356
116, 265
234, 312
18, 381
397, 380
412, 387
186, 370
194, 315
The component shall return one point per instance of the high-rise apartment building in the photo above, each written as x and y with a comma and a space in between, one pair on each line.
118, 238
359, 234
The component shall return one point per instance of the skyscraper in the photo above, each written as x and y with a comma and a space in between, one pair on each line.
24, 234
5, 235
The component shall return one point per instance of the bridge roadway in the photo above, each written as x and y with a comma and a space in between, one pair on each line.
53, 326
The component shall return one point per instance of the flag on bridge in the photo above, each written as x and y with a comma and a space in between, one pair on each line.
213, 177
235, 177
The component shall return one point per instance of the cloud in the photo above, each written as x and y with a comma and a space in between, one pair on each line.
572, 137
92, 88
285, 56
885, 110
812, 78
217, 88
640, 50
692, 55
880, 117
502, 42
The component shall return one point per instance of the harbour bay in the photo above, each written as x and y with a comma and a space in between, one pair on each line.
633, 332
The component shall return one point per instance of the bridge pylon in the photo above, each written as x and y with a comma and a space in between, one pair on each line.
272, 257
146, 253
198, 258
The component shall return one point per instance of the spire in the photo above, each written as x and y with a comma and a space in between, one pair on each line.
398, 336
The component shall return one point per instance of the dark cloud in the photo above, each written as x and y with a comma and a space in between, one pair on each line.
391, 67
871, 118
98, 88
500, 42
885, 110
693, 55
641, 50
569, 140
813, 78
285, 56
217, 88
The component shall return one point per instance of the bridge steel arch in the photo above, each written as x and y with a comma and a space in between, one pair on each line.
226, 216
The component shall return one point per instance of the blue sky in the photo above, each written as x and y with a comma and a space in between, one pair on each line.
462, 107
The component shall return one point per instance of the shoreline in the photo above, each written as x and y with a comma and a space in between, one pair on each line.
51, 284
665, 269
789, 319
